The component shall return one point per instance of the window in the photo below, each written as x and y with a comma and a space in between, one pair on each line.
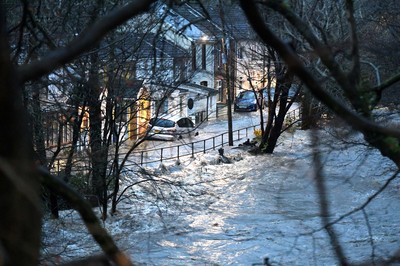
217, 58
161, 106
194, 67
190, 104
240, 53
203, 56
204, 83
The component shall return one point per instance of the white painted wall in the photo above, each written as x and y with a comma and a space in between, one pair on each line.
204, 101
206, 74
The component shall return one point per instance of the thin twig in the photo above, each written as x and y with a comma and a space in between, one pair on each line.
323, 201
90, 219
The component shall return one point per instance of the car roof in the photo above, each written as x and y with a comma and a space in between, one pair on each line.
171, 117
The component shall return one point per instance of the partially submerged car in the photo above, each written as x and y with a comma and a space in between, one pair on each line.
170, 128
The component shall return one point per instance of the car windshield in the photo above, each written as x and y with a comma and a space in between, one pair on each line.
161, 122
248, 95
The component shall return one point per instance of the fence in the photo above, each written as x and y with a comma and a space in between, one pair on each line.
176, 152
189, 149
148, 156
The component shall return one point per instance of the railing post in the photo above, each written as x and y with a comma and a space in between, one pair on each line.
204, 146
141, 158
162, 150
192, 150
222, 139
178, 151
213, 143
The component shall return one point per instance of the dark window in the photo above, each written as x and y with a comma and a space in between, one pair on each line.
240, 53
204, 83
203, 56
190, 104
194, 67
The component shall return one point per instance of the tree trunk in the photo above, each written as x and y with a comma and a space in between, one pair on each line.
20, 219
276, 130
39, 144
98, 153
275, 123
79, 100
309, 118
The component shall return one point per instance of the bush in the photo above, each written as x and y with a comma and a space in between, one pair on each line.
257, 134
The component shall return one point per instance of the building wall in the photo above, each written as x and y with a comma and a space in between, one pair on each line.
204, 102
203, 64
252, 71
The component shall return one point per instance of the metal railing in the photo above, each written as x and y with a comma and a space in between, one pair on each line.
176, 152
147, 156
188, 149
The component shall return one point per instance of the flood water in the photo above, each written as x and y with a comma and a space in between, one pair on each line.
268, 207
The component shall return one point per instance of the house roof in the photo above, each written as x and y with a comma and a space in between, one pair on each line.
193, 86
212, 18
185, 87
148, 45
134, 45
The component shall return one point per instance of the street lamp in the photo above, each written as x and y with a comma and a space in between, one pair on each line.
204, 38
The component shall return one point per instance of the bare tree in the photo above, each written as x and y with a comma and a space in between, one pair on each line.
350, 82
335, 76
20, 244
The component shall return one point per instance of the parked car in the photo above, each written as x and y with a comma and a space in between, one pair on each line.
170, 128
247, 101
264, 93
291, 93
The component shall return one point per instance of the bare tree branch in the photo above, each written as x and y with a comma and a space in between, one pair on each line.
368, 201
90, 261
323, 51
296, 65
91, 221
388, 83
385, 139
83, 41
323, 201
354, 75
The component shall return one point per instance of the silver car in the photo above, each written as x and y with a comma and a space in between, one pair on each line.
170, 128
